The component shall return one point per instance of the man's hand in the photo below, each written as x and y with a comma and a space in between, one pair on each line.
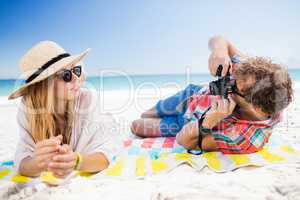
219, 57
63, 163
45, 150
219, 110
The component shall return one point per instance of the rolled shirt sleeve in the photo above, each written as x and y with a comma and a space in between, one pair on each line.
26, 144
242, 139
96, 131
101, 135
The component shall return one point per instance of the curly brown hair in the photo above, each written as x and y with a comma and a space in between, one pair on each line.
272, 90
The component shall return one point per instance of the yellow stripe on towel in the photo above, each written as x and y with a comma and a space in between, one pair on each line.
4, 173
140, 166
288, 149
158, 165
212, 160
183, 156
270, 157
19, 179
239, 159
116, 169
47, 177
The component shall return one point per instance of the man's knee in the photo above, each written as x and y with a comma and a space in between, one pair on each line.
150, 113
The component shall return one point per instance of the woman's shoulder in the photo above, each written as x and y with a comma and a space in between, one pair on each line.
89, 104
23, 116
89, 108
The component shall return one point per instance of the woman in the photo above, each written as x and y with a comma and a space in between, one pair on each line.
60, 127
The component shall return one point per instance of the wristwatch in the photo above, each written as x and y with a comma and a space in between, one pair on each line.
202, 133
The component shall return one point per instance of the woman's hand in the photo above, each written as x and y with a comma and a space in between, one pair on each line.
44, 151
219, 110
63, 163
219, 57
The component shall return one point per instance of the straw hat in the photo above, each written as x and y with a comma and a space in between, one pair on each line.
41, 61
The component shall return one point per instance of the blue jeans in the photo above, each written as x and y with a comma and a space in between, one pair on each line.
172, 109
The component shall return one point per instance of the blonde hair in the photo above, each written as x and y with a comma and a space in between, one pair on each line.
43, 120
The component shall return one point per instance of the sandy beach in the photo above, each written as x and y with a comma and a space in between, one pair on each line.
133, 54
272, 182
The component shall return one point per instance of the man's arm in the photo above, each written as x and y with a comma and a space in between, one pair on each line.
188, 138
221, 52
221, 44
189, 134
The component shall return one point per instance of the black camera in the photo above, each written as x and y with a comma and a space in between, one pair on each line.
224, 85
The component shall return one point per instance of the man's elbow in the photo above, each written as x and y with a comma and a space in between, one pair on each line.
218, 37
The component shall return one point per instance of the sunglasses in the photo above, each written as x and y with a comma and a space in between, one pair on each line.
67, 74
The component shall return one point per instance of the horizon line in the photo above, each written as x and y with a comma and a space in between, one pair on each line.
141, 74
152, 74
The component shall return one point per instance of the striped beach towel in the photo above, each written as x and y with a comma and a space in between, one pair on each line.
151, 156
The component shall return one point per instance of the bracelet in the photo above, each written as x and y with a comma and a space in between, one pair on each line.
78, 161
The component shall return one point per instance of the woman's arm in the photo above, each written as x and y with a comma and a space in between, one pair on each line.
65, 162
95, 162
28, 167
43, 153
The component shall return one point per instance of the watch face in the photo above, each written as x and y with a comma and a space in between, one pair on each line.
195, 152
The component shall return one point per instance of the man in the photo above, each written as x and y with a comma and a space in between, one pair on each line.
241, 123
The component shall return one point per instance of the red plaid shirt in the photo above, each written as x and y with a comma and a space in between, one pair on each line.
232, 135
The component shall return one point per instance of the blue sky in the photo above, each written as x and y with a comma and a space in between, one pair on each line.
148, 36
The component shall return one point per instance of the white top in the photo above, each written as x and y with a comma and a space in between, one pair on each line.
92, 131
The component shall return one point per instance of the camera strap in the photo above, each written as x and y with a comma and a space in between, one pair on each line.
200, 121
199, 141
